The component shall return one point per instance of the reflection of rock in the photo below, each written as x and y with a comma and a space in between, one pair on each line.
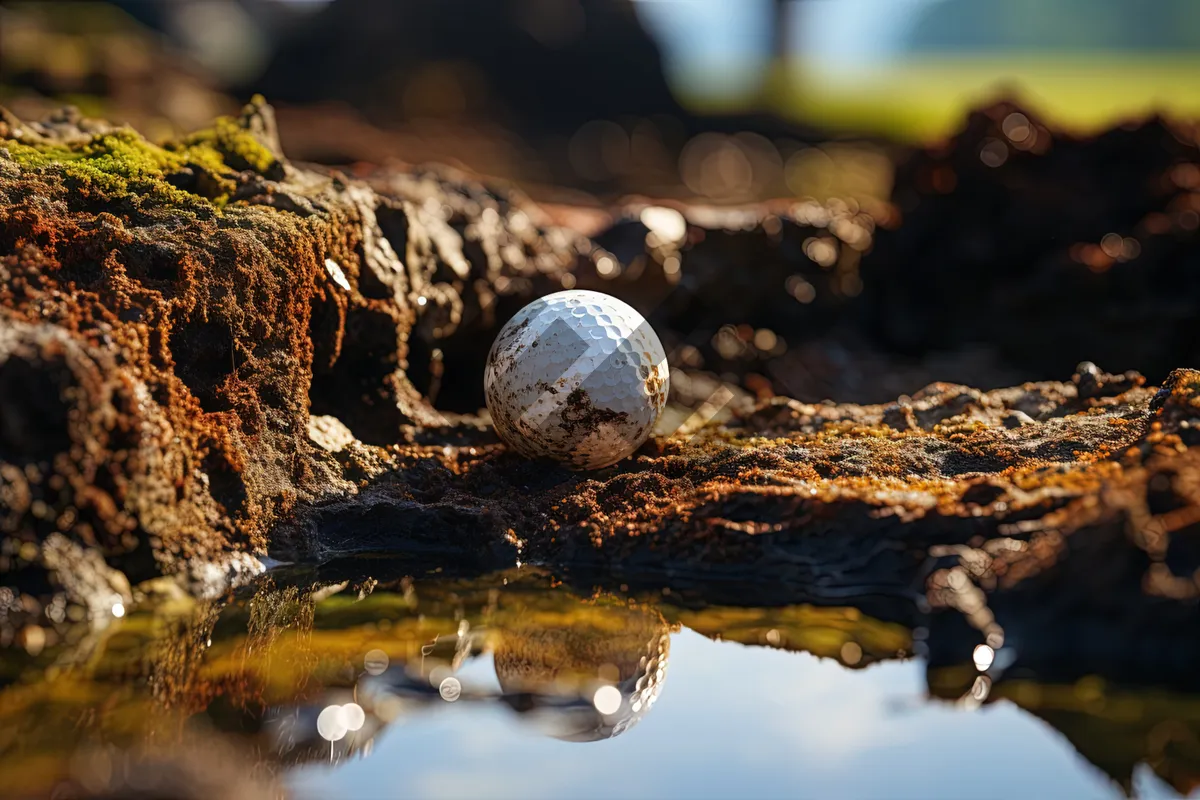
198, 768
332, 727
592, 678
847, 633
365, 650
1118, 730
1114, 727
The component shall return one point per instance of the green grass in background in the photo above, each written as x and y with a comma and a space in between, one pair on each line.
927, 98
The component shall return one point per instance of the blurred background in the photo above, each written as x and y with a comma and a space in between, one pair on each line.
720, 99
978, 191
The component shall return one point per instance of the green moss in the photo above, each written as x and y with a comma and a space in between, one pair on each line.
122, 163
114, 164
231, 144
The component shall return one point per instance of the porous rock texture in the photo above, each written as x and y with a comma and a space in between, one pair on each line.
1045, 245
208, 354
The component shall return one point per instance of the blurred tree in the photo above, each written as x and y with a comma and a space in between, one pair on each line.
547, 64
230, 39
779, 76
781, 32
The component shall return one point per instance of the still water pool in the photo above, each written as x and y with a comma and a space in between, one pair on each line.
514, 685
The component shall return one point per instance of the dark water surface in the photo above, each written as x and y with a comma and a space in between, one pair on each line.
516, 685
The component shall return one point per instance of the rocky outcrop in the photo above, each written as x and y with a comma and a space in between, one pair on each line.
209, 355
1047, 247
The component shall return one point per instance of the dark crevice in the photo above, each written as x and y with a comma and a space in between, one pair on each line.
449, 533
357, 388
1183, 551
155, 266
204, 358
85, 274
324, 327
224, 481
463, 356
368, 282
1161, 497
393, 223
34, 414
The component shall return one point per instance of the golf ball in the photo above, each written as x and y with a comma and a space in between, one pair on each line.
577, 376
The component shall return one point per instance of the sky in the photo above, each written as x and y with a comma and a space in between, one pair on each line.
835, 29
734, 721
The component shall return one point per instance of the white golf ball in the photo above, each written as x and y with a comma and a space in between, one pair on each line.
577, 376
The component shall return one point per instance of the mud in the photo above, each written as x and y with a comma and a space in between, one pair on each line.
223, 355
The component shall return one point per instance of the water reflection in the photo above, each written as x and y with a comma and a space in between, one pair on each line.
310, 668
1116, 728
589, 679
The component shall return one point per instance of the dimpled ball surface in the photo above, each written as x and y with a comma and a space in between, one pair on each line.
576, 376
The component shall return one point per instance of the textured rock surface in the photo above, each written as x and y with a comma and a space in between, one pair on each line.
208, 352
1044, 245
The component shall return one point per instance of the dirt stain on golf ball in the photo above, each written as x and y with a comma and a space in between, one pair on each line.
576, 376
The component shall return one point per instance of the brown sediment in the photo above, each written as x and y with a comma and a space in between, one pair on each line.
580, 417
227, 355
656, 385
